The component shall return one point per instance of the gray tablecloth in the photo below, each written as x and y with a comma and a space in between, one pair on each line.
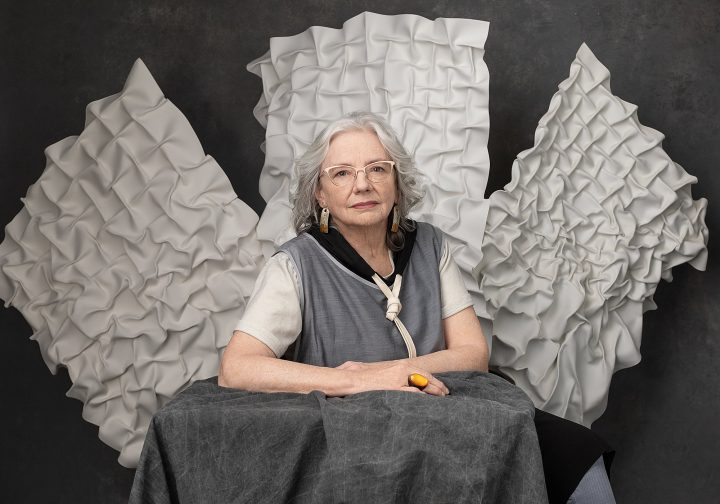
212, 444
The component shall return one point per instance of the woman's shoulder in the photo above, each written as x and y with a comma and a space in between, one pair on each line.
280, 263
297, 242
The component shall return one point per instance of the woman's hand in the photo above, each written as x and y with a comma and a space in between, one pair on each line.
392, 375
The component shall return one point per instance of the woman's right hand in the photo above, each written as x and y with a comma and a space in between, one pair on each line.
392, 375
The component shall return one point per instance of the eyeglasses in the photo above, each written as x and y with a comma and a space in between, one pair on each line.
343, 175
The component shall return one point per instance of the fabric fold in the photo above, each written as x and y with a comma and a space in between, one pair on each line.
596, 214
131, 260
428, 79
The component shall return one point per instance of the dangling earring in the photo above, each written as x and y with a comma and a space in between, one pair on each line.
324, 220
396, 220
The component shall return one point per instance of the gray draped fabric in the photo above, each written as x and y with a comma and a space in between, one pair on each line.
213, 444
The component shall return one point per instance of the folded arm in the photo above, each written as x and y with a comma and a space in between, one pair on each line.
249, 364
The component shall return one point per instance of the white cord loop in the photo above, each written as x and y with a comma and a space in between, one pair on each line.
393, 310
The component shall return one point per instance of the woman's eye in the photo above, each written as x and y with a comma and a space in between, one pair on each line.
342, 173
378, 168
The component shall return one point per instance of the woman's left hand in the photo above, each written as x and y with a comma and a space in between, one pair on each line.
392, 377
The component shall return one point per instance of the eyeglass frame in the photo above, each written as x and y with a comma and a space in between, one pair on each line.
356, 171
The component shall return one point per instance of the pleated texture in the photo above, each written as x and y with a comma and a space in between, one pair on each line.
131, 259
575, 245
427, 78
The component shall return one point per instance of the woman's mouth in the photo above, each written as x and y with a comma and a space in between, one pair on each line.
363, 205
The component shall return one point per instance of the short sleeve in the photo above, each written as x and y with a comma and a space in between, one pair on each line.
454, 294
273, 313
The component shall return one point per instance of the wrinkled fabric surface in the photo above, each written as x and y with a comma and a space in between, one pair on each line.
428, 79
213, 444
131, 260
575, 245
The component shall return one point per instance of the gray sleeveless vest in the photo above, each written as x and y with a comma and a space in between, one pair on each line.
344, 314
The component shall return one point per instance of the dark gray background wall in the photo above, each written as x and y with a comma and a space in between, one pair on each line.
55, 57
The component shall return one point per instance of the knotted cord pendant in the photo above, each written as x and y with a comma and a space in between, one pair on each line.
393, 310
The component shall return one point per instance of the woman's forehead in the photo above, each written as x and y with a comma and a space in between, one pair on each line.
354, 146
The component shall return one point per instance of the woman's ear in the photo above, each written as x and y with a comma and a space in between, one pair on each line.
320, 197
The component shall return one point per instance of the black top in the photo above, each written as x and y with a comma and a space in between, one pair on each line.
340, 249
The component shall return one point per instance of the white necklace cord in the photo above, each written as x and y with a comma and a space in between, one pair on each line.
393, 310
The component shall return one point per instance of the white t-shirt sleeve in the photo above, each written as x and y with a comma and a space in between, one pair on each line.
273, 314
453, 294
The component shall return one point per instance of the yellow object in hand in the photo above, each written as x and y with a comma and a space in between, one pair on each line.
418, 380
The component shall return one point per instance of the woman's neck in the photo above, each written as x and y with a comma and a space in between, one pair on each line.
370, 244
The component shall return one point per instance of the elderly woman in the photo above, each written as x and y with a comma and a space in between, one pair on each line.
329, 300
334, 291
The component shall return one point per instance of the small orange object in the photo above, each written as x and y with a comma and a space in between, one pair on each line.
418, 380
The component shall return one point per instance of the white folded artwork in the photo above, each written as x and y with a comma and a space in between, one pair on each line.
427, 78
595, 215
131, 260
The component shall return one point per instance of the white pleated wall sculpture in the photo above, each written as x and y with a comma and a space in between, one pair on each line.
427, 78
131, 260
575, 245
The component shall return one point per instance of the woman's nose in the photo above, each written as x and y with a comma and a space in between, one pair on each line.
361, 182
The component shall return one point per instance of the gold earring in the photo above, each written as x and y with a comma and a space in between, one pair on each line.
324, 220
396, 220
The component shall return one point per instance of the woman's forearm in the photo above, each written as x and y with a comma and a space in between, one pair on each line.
463, 358
467, 349
269, 374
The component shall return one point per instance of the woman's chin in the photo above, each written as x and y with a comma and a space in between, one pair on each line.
365, 220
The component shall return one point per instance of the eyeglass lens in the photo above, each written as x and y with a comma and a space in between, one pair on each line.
375, 172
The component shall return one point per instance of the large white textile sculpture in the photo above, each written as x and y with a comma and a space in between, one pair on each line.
131, 260
427, 78
595, 215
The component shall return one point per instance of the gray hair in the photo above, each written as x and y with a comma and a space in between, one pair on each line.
407, 177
